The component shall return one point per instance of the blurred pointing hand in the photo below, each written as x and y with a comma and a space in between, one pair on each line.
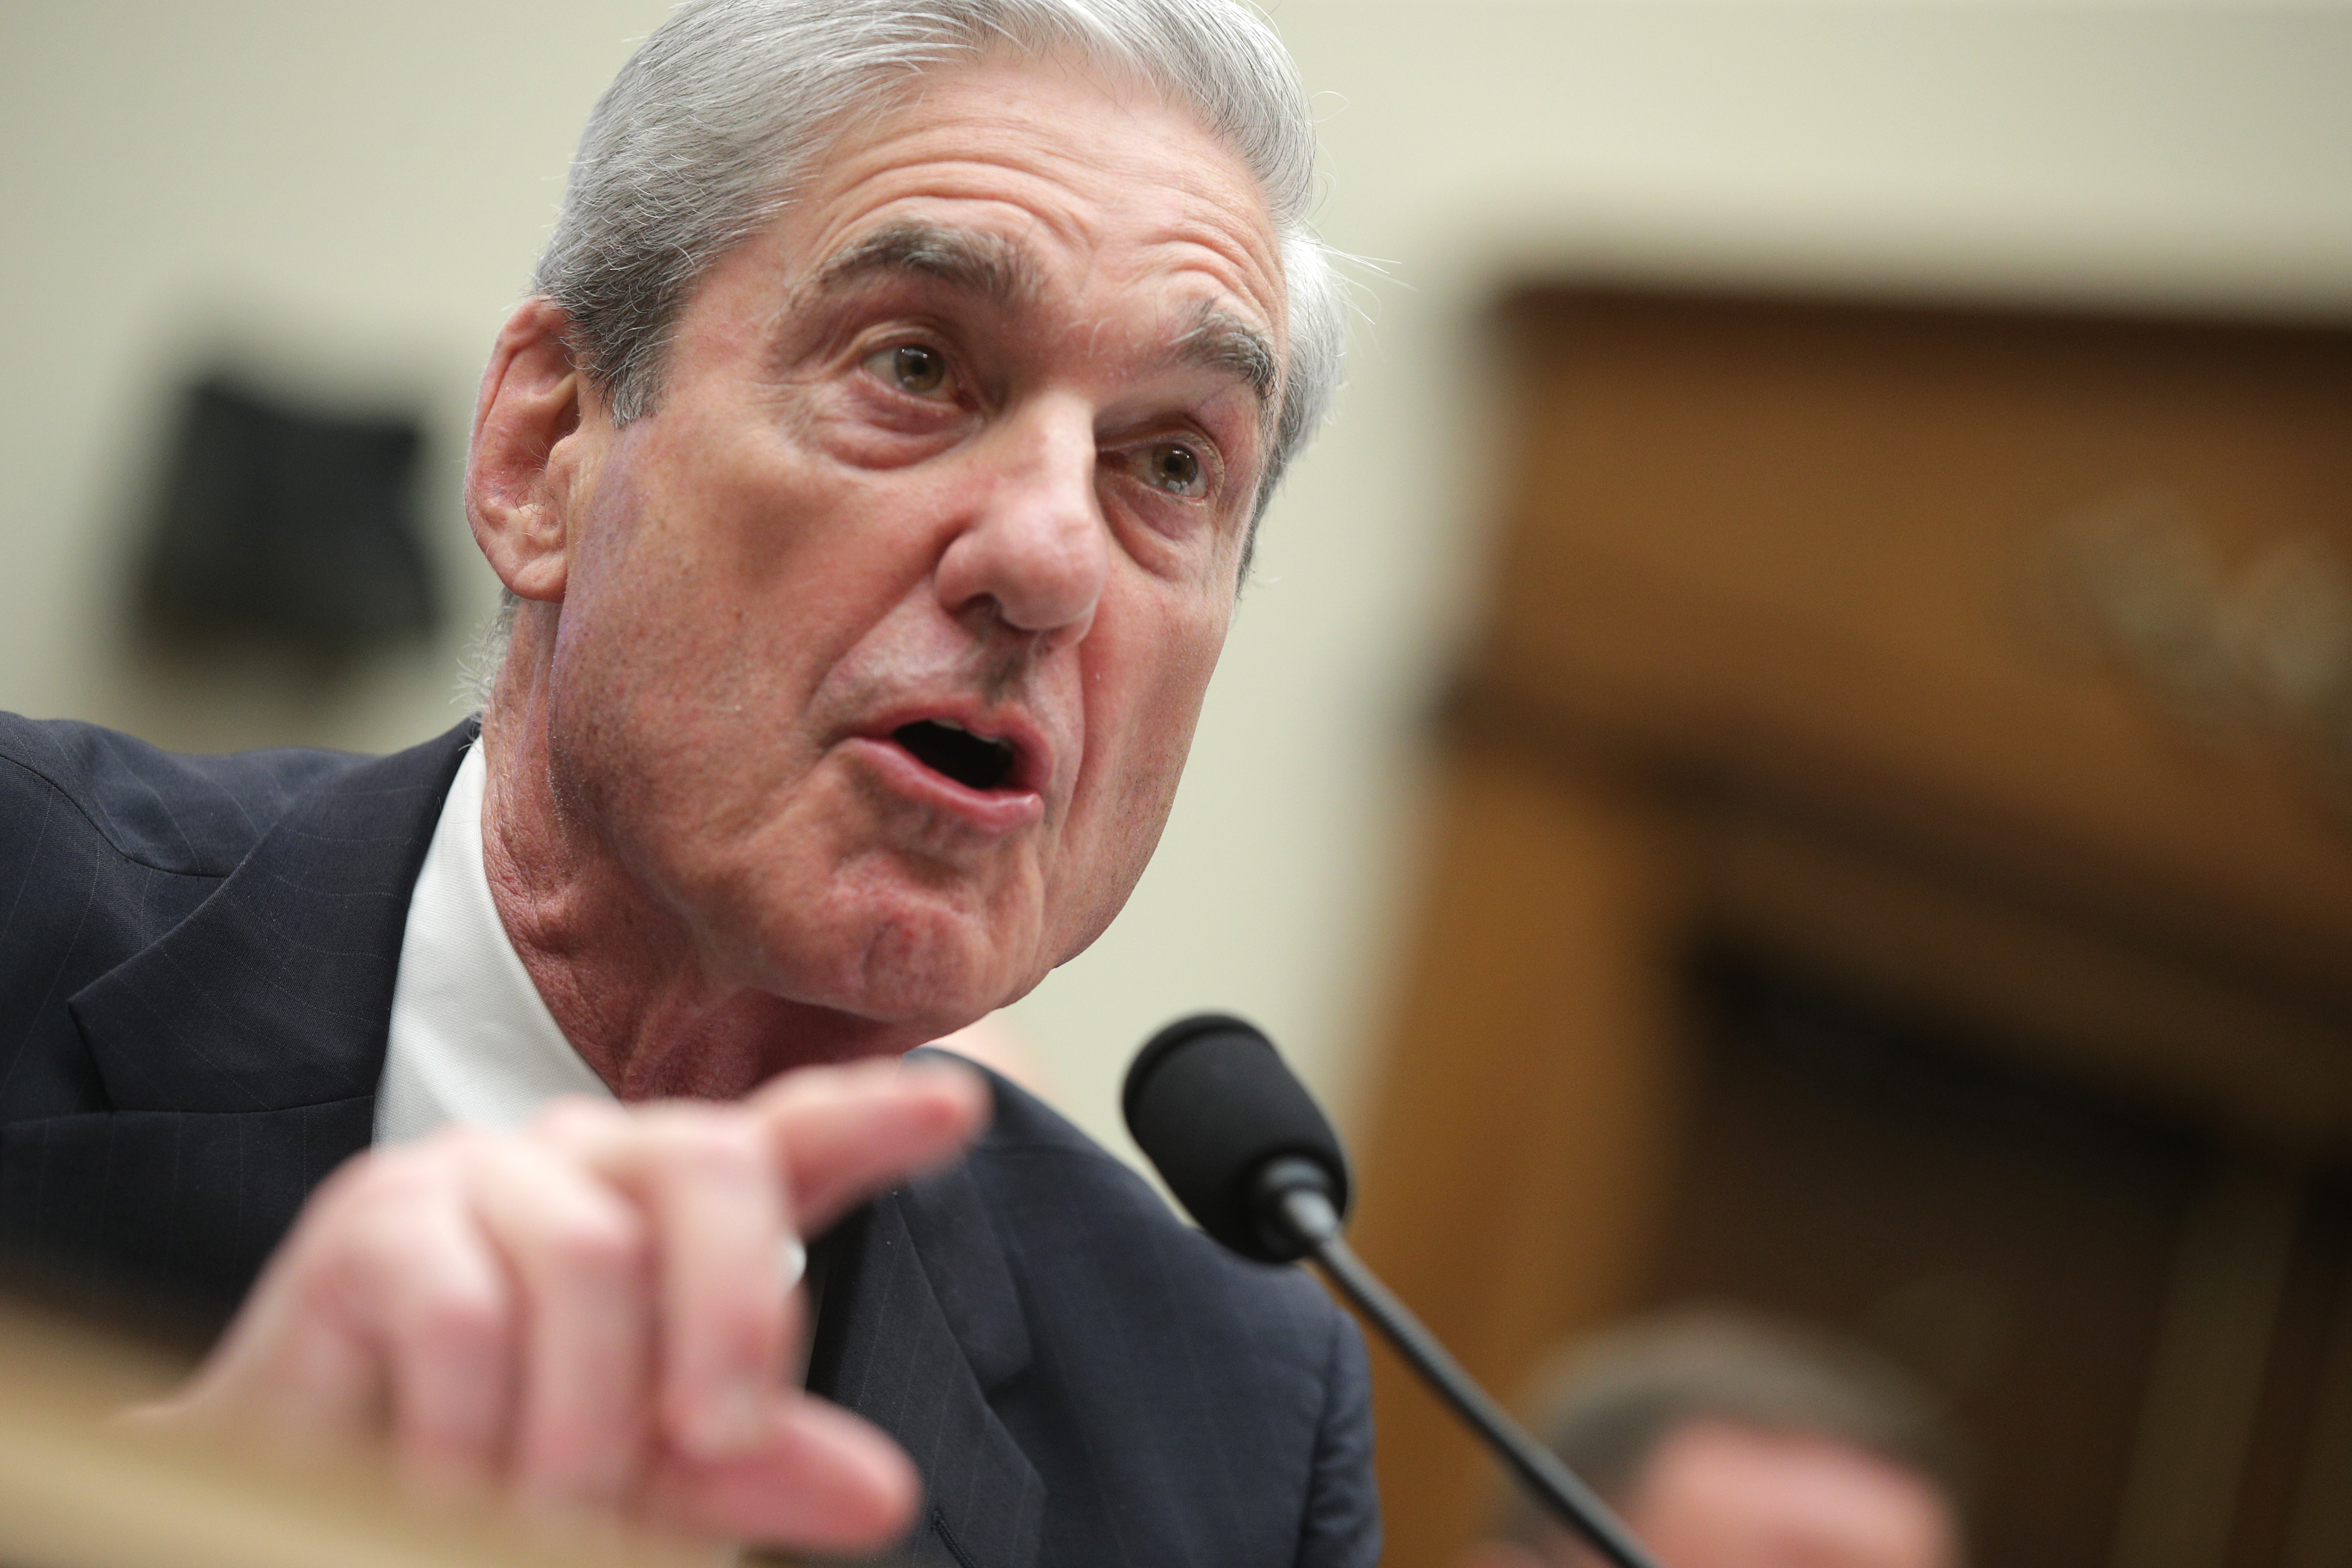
589, 1315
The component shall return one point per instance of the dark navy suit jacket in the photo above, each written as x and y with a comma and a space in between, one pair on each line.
196, 966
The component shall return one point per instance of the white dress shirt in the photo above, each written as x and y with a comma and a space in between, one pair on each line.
472, 1040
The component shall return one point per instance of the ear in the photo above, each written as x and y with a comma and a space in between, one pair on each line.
521, 468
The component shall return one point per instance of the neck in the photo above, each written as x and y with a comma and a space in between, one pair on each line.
621, 971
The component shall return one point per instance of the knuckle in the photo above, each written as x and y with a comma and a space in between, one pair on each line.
446, 1429
725, 1142
599, 1244
732, 1147
574, 1464
454, 1317
368, 1237
577, 1115
333, 1281
749, 1321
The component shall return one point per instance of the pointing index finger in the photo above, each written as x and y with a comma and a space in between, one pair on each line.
847, 1132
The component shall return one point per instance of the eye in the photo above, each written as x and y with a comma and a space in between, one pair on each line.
1175, 468
917, 369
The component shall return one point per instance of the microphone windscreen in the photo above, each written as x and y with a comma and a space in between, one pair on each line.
1211, 1103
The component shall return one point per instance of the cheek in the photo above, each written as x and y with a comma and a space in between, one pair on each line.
668, 634
1145, 689
717, 562
1168, 650
1174, 703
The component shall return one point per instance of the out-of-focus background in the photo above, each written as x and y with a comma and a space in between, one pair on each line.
1791, 745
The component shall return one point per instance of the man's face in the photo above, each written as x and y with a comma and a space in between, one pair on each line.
1716, 1494
882, 640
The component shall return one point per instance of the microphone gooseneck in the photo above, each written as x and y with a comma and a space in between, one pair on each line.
1253, 1159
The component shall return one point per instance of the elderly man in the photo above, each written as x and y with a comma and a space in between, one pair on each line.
871, 473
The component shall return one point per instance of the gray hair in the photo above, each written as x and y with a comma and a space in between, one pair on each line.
1606, 1408
697, 143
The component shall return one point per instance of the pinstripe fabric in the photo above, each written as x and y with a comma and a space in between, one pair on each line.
196, 964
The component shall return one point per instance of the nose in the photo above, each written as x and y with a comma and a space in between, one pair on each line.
1034, 548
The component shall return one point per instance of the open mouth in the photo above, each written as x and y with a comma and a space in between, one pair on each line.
973, 760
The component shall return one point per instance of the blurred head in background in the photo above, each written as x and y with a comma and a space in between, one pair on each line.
1727, 1442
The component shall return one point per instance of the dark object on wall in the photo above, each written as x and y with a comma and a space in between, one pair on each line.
286, 525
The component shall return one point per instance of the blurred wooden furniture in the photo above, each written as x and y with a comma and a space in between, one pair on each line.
1893, 864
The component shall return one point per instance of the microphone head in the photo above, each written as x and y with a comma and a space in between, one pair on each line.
1211, 1104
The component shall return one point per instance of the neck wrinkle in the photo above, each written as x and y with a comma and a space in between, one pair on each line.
618, 970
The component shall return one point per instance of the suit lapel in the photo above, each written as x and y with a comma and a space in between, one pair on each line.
240, 1052
277, 992
920, 1323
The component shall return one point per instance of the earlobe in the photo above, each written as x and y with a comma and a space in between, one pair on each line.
520, 477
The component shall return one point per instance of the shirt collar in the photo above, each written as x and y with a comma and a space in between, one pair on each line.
472, 1040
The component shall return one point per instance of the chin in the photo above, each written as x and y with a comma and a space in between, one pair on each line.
922, 969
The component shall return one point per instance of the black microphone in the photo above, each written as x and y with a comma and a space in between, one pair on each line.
1253, 1158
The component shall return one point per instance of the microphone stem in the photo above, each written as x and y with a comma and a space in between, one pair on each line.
1311, 1219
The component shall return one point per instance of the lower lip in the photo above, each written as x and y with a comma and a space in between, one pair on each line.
994, 811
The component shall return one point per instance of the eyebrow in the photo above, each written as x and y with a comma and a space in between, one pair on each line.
986, 264
1220, 340
1000, 272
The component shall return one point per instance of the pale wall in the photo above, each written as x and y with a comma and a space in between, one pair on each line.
359, 190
